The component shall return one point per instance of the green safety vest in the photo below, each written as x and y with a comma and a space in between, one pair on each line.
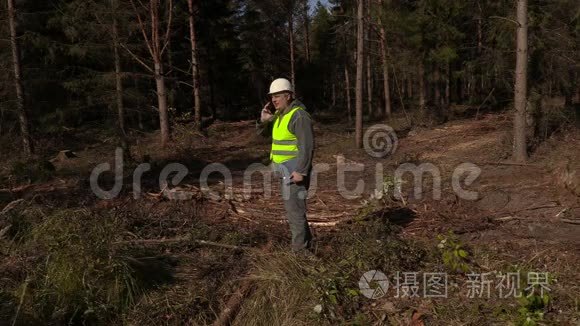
284, 143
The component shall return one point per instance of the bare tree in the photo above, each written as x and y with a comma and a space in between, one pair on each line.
20, 99
520, 94
359, 73
156, 45
194, 66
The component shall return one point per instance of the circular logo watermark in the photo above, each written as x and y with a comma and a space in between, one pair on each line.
373, 284
380, 140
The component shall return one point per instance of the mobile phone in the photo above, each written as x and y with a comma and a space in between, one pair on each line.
270, 107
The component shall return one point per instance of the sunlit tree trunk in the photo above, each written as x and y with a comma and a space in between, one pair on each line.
306, 31
519, 149
291, 41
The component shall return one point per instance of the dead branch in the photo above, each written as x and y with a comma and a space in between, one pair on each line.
10, 206
482, 103
234, 303
186, 238
509, 164
507, 218
5, 230
526, 209
324, 224
136, 58
570, 221
17, 189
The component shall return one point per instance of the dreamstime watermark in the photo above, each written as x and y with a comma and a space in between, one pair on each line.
374, 284
380, 140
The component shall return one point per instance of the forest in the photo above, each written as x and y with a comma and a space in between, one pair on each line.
108, 94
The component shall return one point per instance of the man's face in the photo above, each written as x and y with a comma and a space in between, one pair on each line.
281, 100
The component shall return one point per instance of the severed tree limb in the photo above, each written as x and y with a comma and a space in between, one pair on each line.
5, 230
525, 209
570, 221
234, 303
10, 206
508, 163
183, 239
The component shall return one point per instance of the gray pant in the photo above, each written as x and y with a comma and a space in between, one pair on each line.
294, 196
295, 205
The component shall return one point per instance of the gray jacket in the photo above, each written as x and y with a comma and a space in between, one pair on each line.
300, 125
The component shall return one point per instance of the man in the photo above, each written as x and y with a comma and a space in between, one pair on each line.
290, 127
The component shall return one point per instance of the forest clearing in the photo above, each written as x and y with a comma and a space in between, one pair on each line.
154, 154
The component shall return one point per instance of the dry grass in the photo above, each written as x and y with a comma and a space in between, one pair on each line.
71, 269
283, 294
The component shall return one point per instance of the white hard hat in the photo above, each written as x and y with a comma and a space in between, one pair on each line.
281, 85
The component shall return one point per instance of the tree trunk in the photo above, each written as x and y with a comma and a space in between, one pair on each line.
20, 99
162, 103
347, 84
291, 39
410, 86
211, 90
359, 74
368, 63
172, 84
519, 149
194, 67
333, 93
447, 85
118, 80
422, 89
436, 86
386, 88
306, 32
480, 48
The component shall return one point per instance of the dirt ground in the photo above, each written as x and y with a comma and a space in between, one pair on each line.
522, 215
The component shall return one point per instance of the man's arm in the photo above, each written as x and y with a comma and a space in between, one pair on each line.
301, 126
264, 128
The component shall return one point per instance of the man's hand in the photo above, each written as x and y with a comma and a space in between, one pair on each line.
266, 114
297, 177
